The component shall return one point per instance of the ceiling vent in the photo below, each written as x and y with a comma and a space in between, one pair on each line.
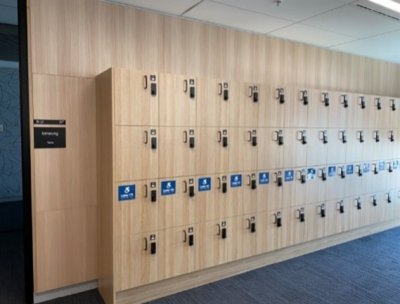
377, 9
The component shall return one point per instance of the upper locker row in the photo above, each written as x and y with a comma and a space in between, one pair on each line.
175, 100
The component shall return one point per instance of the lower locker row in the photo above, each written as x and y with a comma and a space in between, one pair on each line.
143, 153
156, 255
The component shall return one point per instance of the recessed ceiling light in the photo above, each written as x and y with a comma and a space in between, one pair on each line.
390, 4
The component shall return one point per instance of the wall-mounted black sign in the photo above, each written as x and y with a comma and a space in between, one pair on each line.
60, 122
46, 137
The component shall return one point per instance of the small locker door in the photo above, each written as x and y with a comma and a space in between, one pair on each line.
389, 143
234, 242
381, 111
318, 109
394, 116
254, 232
296, 111
316, 220
152, 210
206, 198
358, 110
389, 201
355, 146
354, 177
374, 177
136, 98
337, 216
335, 187
136, 153
229, 195
178, 94
249, 145
338, 110
387, 113
213, 150
294, 191
298, 225
272, 110
278, 229
337, 146
270, 148
235, 146
250, 192
264, 188
274, 191
375, 210
177, 151
213, 102
357, 214
316, 184
245, 111
375, 145
317, 146
295, 148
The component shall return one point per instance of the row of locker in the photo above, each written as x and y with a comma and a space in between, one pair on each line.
144, 99
143, 153
152, 256
160, 204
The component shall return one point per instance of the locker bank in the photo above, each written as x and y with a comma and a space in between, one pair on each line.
188, 151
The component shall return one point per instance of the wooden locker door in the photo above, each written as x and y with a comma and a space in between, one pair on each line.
295, 192
316, 220
358, 110
212, 157
298, 225
250, 191
318, 109
369, 113
296, 110
389, 143
337, 221
394, 113
233, 198
357, 214
136, 98
334, 185
374, 208
264, 187
206, 199
338, 112
249, 145
389, 203
272, 111
396, 202
337, 146
374, 178
374, 145
355, 145
212, 247
253, 228
277, 237
295, 147
212, 104
234, 241
317, 150
245, 110
136, 153
178, 151
315, 186
381, 111
385, 114
270, 152
178, 95
274, 191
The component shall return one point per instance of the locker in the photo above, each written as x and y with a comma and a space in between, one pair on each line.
294, 193
334, 185
213, 102
206, 197
270, 148
393, 116
317, 220
234, 246
381, 111
136, 98
250, 191
212, 155
317, 147
358, 112
315, 186
338, 111
357, 212
254, 233
318, 109
296, 109
249, 145
272, 111
264, 194
370, 177
178, 95
375, 211
389, 143
295, 148
178, 147
337, 146
244, 111
389, 198
370, 115
353, 180
376, 147
355, 145
229, 198
375, 178
337, 216
275, 190
395, 176
136, 153
298, 225
277, 229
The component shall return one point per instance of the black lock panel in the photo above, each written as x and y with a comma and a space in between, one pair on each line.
389, 199
279, 181
376, 171
359, 205
325, 138
254, 141
281, 98
225, 141
360, 173
393, 106
255, 97
345, 102
303, 179
223, 233
302, 217
224, 187
191, 239
191, 142
153, 248
153, 89
305, 100
363, 104
153, 196
323, 212
253, 184
253, 227
191, 191
280, 140
374, 203
279, 222
344, 139
226, 95
379, 105
153, 143
324, 176
377, 138
304, 140
391, 137
341, 209
326, 101
192, 92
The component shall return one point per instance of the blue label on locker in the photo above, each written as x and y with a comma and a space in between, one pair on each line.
205, 184
126, 192
395, 164
311, 173
331, 171
236, 180
263, 178
289, 175
366, 167
168, 187
382, 166
349, 169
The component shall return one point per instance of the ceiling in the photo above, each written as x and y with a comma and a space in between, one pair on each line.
357, 27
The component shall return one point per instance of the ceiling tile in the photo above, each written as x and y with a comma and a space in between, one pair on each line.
307, 34
294, 10
385, 47
354, 21
175, 7
8, 15
233, 17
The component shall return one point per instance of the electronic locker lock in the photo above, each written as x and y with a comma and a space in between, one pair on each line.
153, 138
322, 173
153, 244
280, 95
189, 187
357, 203
302, 136
359, 170
222, 230
361, 102
188, 236
323, 136
153, 191
304, 97
302, 175
340, 206
251, 224
190, 86
252, 181
344, 99
374, 201
252, 137
391, 136
376, 135
325, 98
321, 210
222, 137
375, 169
253, 93
343, 136
224, 90
278, 178
278, 219
189, 136
378, 103
153, 84
393, 104
390, 167
360, 136
222, 184
300, 214
342, 172
388, 198
278, 137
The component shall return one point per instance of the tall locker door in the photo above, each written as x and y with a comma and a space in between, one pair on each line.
178, 203
337, 216
358, 110
369, 112
270, 148
234, 241
296, 112
274, 191
375, 147
357, 216
181, 250
389, 202
233, 202
136, 153
213, 101
206, 198
277, 229
335, 186
245, 110
316, 220
374, 208
250, 192
381, 111
373, 185
368, 178
272, 109
253, 229
295, 147
212, 242
295, 191
263, 191
152, 210
337, 146
315, 185
178, 95
249, 145
298, 225
317, 147
318, 109
212, 154
389, 143
387, 113
355, 147
394, 116
384, 176
136, 98
177, 151
338, 110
